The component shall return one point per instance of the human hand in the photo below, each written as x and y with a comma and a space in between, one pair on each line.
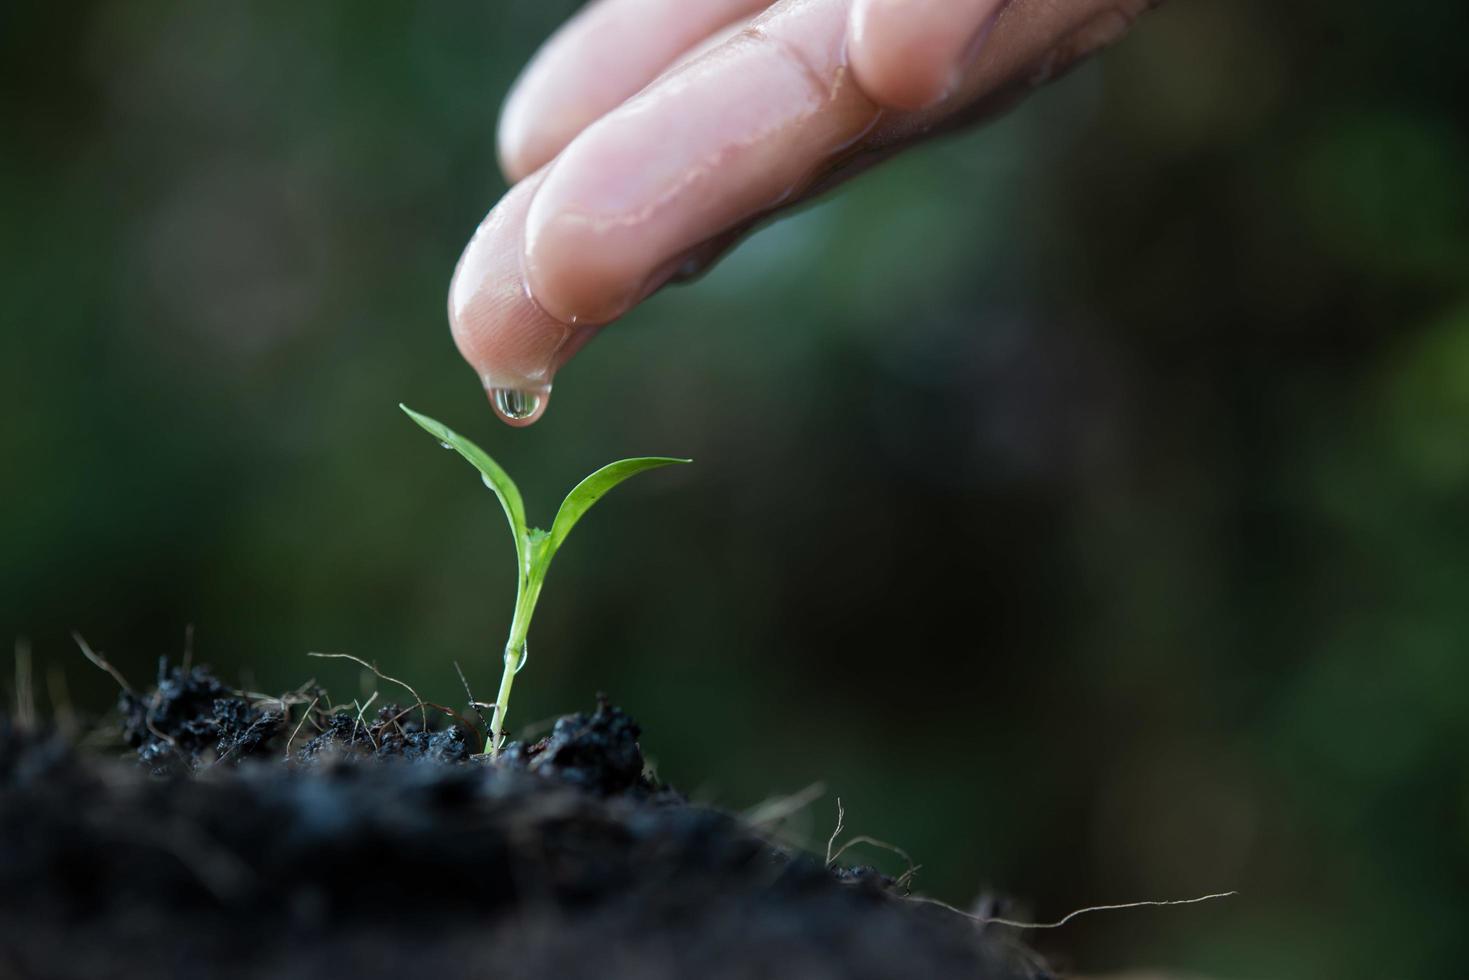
648, 136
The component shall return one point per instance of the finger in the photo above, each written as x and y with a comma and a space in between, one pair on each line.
909, 54
661, 185
733, 135
598, 59
514, 346
727, 136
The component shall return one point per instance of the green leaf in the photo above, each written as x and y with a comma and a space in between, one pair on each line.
494, 477
593, 489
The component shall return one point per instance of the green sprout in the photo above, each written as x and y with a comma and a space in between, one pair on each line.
534, 548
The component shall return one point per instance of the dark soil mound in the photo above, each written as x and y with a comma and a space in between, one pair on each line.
384, 849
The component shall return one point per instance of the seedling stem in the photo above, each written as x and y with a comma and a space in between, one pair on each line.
534, 548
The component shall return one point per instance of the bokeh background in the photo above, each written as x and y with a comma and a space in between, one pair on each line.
1085, 500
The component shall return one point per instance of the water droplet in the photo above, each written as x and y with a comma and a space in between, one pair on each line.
517, 405
486, 481
445, 445
524, 655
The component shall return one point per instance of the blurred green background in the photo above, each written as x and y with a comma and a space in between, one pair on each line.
1085, 500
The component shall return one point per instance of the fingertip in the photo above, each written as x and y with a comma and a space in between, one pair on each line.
577, 273
587, 250
539, 117
510, 341
513, 139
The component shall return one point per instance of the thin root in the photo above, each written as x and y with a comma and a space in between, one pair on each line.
874, 842
833, 852
299, 725
418, 701
831, 842
361, 710
995, 921
476, 705
101, 663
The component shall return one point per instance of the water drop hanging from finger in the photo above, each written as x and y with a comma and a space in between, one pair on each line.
518, 405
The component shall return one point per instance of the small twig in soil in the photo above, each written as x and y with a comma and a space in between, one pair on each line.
98, 660
361, 710
904, 881
455, 715
831, 842
444, 709
995, 921
833, 852
874, 842
418, 701
336, 709
298, 696
264, 721
299, 725
476, 705
154, 703
778, 808
396, 720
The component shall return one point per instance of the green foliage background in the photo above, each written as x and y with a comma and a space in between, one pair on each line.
1085, 500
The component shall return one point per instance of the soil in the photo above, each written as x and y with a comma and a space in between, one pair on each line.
228, 844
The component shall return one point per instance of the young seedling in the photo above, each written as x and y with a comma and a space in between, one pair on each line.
534, 548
